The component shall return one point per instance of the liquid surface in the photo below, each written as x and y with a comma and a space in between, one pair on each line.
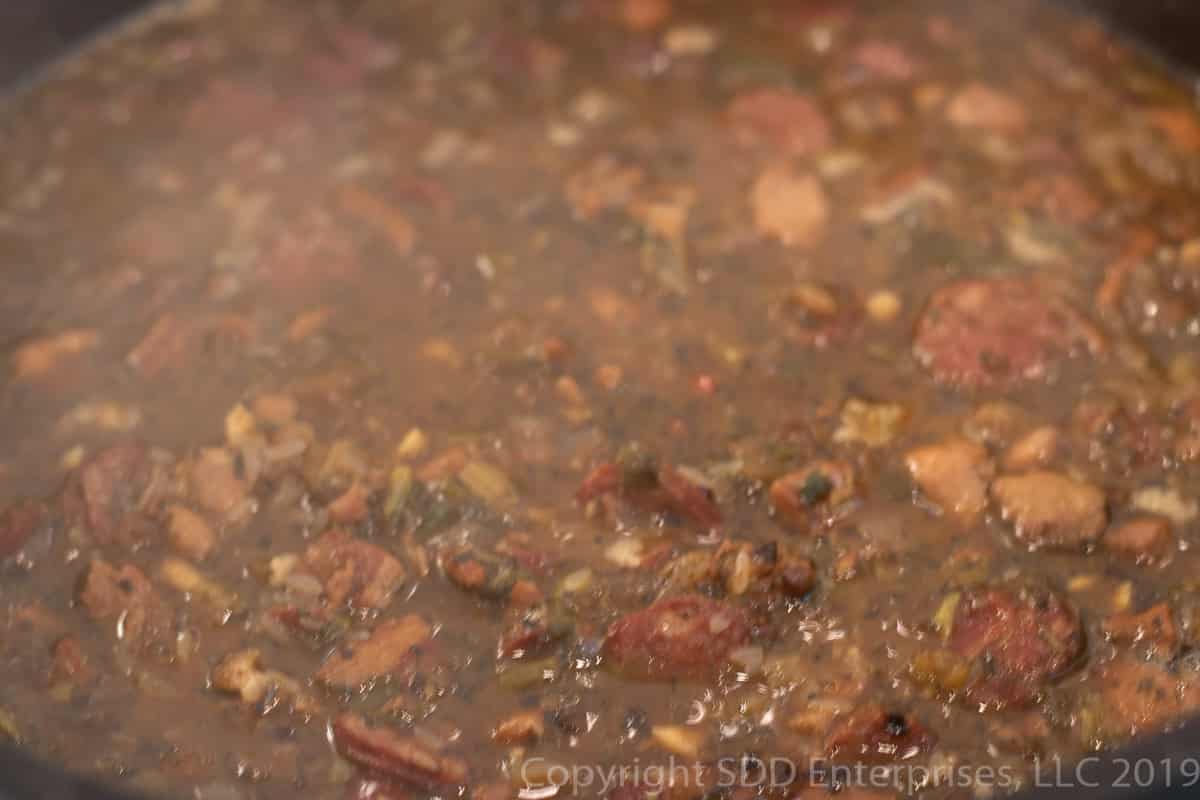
411, 399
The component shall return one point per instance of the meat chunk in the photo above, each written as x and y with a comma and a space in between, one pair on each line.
1061, 196
736, 568
812, 495
1015, 641
351, 505
1049, 509
310, 253
638, 478
980, 106
1134, 696
871, 735
677, 637
354, 570
885, 60
789, 206
69, 663
999, 331
242, 673
215, 483
390, 646
477, 572
124, 596
402, 758
535, 628
20, 520
1032, 450
174, 341
954, 474
110, 492
189, 533
817, 315
1160, 301
781, 119
1155, 628
521, 728
41, 357
603, 185
1145, 539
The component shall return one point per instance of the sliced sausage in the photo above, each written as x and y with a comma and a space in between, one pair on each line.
403, 758
781, 119
108, 492
999, 331
1049, 509
1015, 640
870, 734
354, 570
677, 637
390, 646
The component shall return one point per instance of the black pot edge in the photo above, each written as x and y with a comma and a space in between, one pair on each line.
37, 35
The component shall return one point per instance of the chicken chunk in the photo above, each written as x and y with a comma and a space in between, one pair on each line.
953, 474
1049, 509
125, 596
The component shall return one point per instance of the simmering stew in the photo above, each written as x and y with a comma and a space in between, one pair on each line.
611, 398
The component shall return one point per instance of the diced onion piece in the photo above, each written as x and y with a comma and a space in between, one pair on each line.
487, 482
943, 619
303, 584
626, 552
399, 485
719, 622
578, 581
1167, 502
872, 424
883, 306
239, 425
1081, 583
749, 658
682, 741
1123, 596
413, 444
739, 579
690, 40
280, 567
186, 578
